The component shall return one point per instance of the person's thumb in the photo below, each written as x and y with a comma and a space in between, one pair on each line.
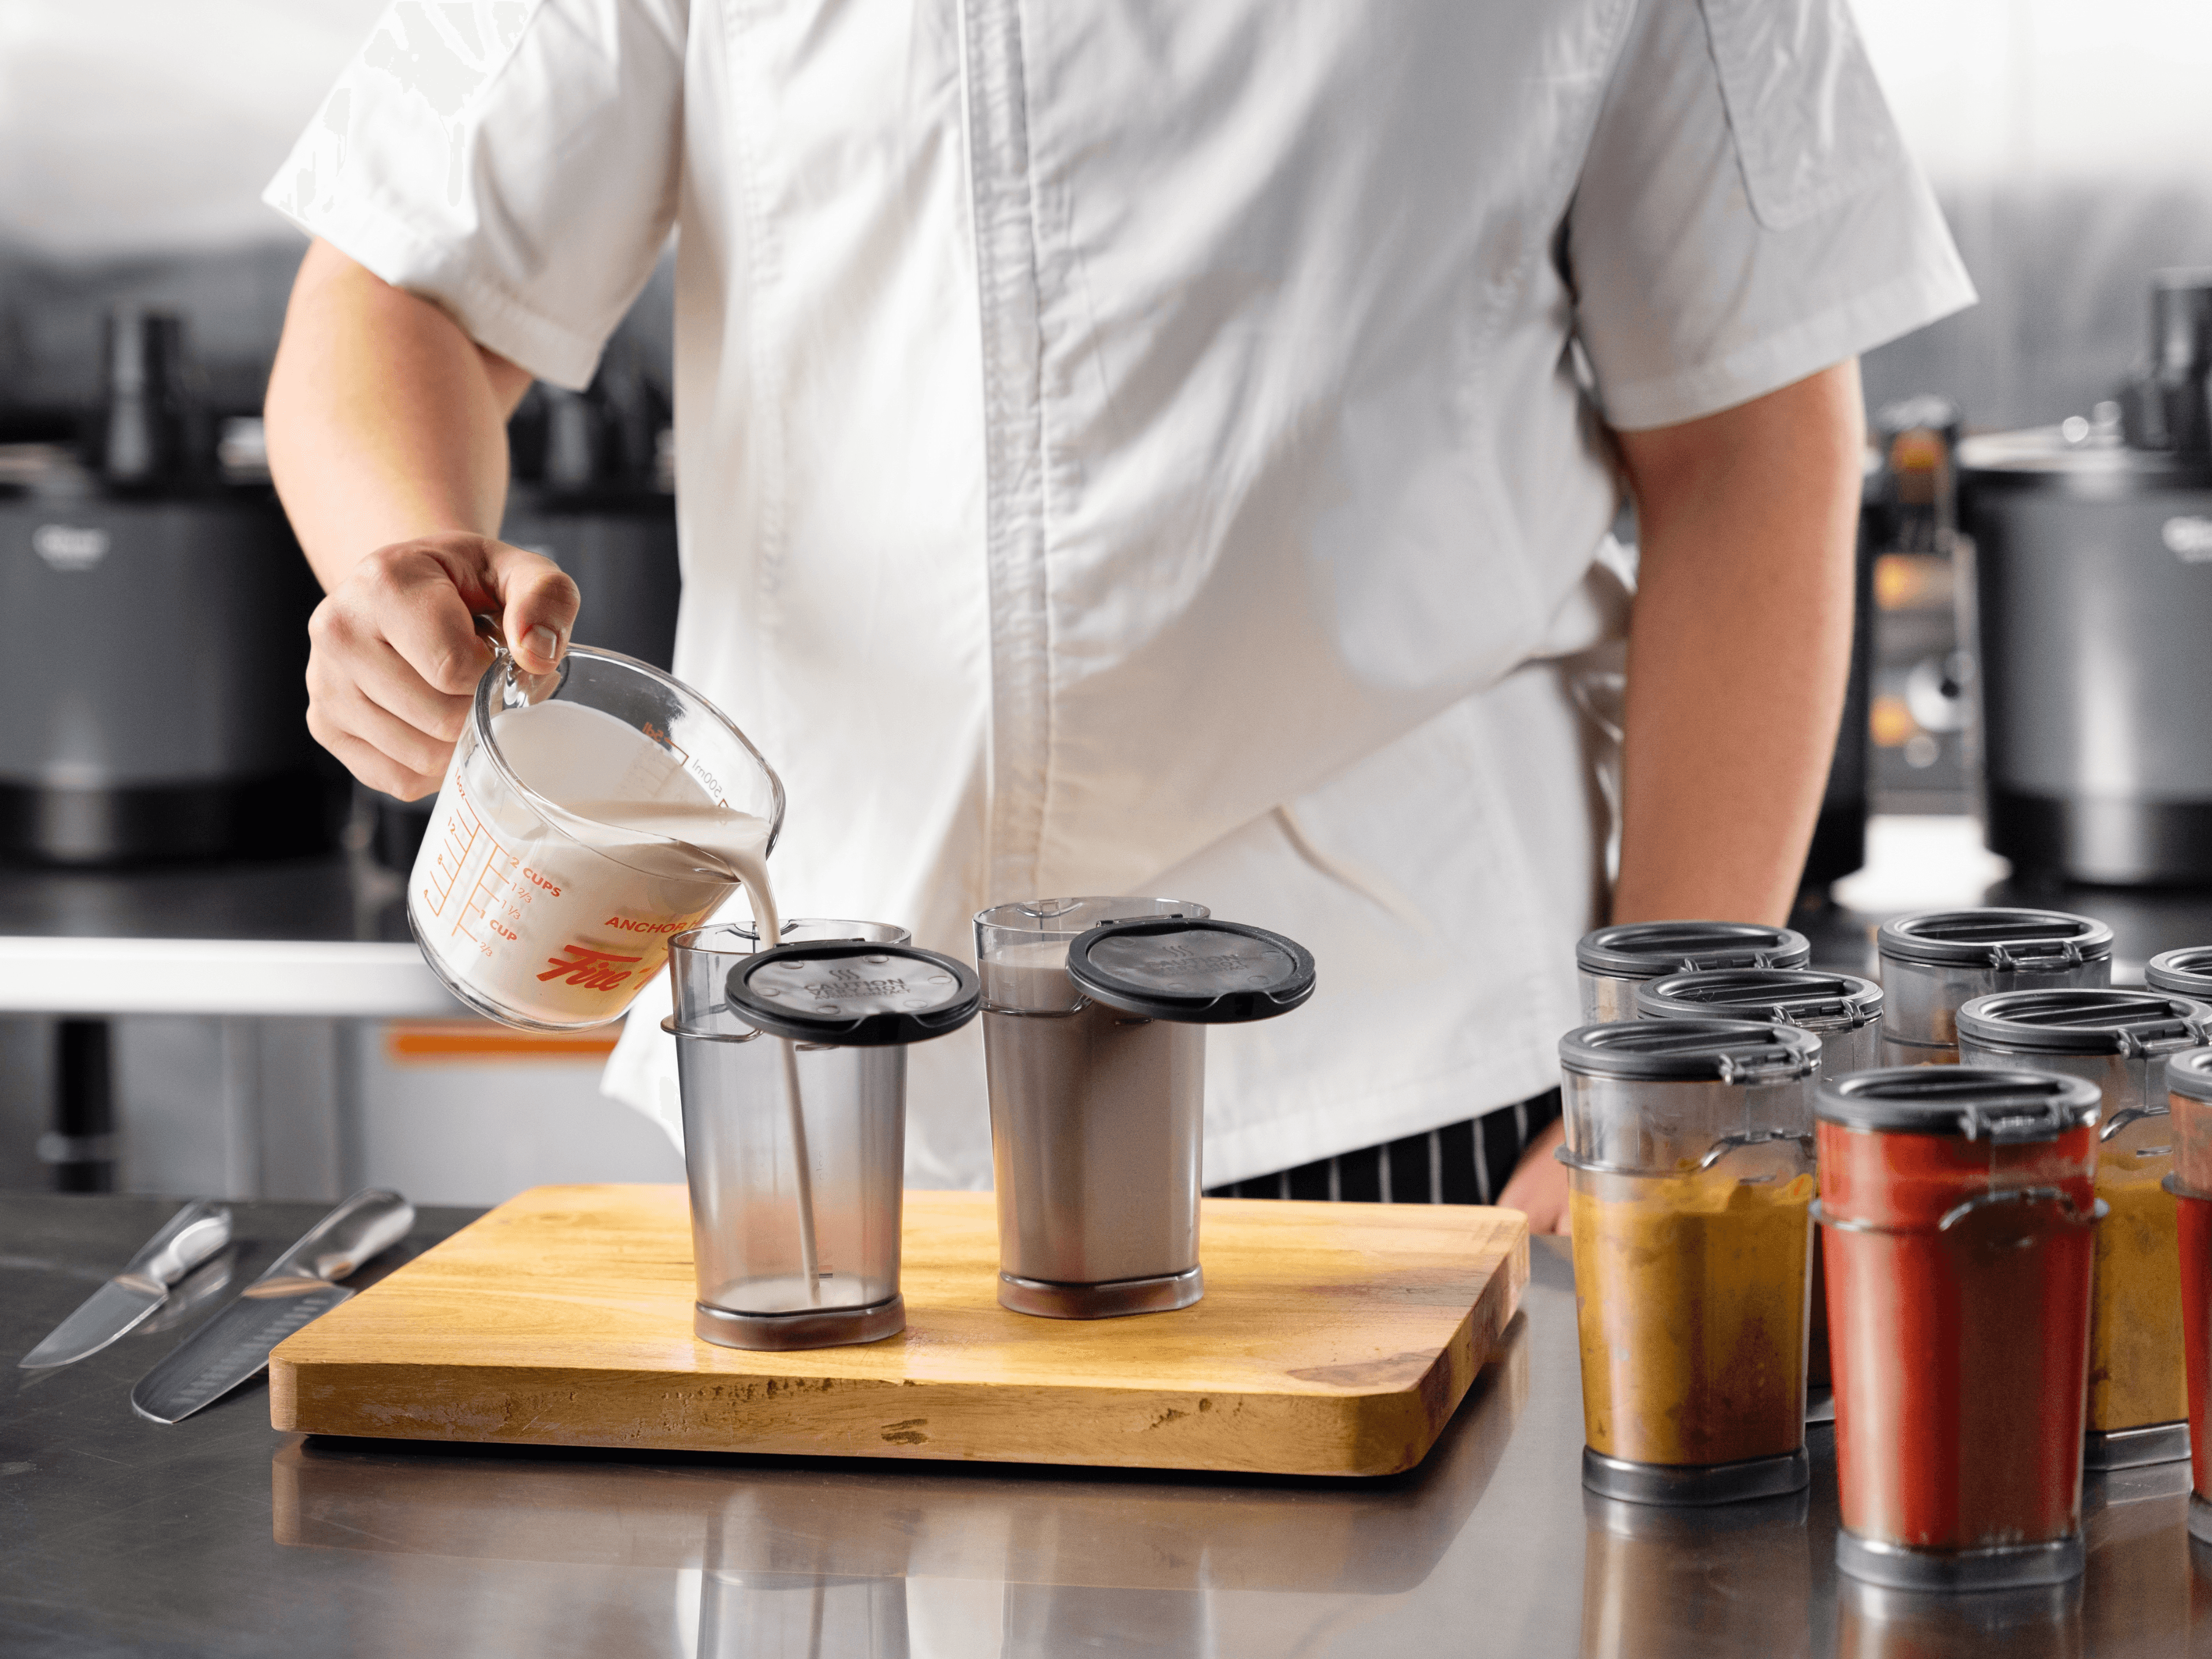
538, 606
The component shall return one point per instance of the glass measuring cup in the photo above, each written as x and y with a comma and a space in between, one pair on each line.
537, 902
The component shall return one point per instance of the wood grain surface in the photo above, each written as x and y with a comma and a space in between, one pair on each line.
1334, 1339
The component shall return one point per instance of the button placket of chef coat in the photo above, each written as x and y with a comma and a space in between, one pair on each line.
1013, 420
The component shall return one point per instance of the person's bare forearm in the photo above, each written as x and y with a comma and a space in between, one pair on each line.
387, 438
1736, 659
1738, 648
385, 422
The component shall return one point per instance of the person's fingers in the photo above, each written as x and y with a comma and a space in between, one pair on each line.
415, 602
388, 680
539, 603
371, 765
352, 710
1538, 1187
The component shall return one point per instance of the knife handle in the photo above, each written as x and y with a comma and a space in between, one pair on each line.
365, 1225
188, 1238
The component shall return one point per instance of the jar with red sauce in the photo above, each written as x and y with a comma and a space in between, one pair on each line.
2189, 1098
1959, 1206
1935, 961
2119, 1039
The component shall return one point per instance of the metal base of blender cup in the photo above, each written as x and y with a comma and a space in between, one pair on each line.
1111, 1300
2010, 1566
1696, 1484
2200, 1519
830, 1328
1819, 1406
2135, 1449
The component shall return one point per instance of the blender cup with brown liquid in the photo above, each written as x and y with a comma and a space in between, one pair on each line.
2118, 1040
1094, 1045
2188, 1098
1934, 961
1960, 1205
1690, 1159
793, 1067
1842, 1009
1611, 963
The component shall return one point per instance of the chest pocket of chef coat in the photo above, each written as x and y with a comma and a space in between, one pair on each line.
1810, 126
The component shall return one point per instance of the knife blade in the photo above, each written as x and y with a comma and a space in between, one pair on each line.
184, 1242
300, 1285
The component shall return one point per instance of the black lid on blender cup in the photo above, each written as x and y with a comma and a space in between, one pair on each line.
853, 993
1193, 972
2184, 972
1787, 996
2017, 941
2189, 1073
2085, 1020
1691, 1051
1651, 950
1975, 1102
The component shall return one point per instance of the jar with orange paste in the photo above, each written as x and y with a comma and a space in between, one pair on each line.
2120, 1040
1690, 1159
2189, 1098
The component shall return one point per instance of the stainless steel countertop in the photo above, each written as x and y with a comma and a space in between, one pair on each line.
221, 1536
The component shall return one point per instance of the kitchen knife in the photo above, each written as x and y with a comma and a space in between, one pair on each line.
185, 1240
299, 1286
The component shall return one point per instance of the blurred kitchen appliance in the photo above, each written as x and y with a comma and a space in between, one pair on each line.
2094, 559
591, 492
153, 637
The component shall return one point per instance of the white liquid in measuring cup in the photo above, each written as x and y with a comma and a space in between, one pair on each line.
562, 926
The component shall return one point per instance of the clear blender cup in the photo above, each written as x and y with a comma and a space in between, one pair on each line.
2118, 1041
1933, 961
588, 817
1690, 1166
792, 1067
1094, 1046
1612, 962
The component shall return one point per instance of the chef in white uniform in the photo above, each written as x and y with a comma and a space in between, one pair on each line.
1132, 445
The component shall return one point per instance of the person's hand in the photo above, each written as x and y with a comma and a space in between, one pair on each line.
1538, 1187
395, 655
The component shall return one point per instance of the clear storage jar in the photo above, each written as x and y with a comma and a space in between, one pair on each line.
1689, 1154
2188, 1098
1933, 961
2118, 1041
1611, 963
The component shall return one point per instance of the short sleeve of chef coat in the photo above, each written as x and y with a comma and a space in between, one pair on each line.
1746, 214
515, 160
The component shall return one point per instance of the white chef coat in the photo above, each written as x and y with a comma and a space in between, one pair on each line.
1145, 446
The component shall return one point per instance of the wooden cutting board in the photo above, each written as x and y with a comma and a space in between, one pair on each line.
1334, 1339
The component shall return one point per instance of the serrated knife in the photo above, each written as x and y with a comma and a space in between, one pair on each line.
300, 1285
185, 1240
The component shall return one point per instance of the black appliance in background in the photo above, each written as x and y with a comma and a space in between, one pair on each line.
153, 637
2092, 556
592, 491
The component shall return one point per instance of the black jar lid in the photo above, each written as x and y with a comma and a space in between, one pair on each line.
1194, 972
1788, 996
2021, 941
2085, 1020
1691, 1051
2189, 1073
1975, 1102
853, 994
2185, 973
1651, 950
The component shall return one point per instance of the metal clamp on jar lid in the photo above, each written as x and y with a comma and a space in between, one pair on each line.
1974, 1102
853, 993
1786, 996
2002, 941
1193, 972
2085, 1019
2182, 972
